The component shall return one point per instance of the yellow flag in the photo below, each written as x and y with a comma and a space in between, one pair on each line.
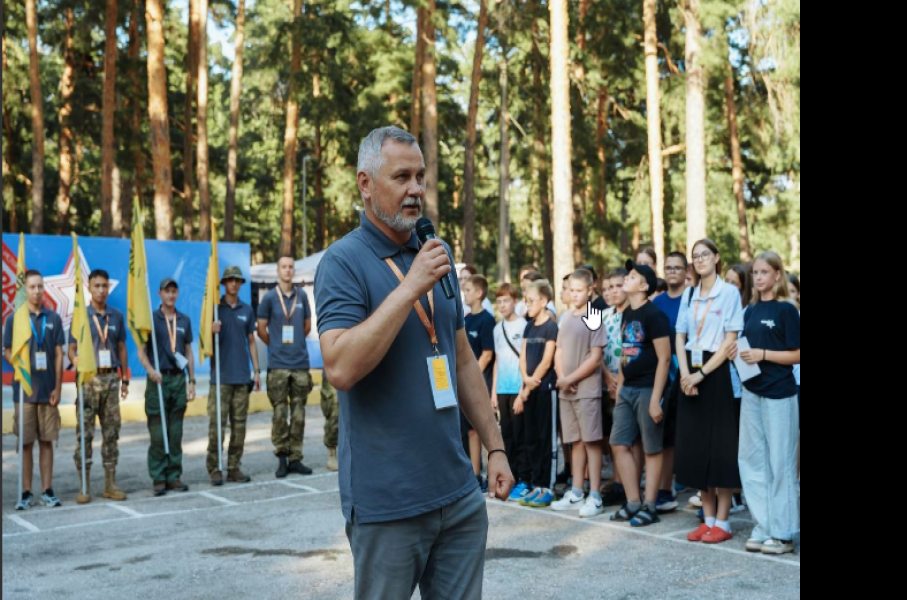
21, 294
138, 309
21, 350
81, 329
212, 297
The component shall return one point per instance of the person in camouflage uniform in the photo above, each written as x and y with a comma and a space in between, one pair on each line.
284, 321
331, 411
102, 394
237, 345
288, 390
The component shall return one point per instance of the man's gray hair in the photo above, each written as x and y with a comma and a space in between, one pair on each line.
371, 158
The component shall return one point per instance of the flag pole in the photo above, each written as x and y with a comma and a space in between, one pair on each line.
21, 437
220, 433
157, 362
82, 425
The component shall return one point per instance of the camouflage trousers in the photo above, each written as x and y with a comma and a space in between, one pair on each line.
102, 402
234, 410
288, 391
331, 411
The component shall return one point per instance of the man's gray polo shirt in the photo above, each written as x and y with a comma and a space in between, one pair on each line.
399, 456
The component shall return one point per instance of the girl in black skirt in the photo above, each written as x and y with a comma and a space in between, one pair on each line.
710, 320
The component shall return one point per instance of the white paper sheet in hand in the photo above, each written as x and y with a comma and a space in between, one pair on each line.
746, 371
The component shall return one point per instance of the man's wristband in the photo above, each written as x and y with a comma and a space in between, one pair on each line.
493, 451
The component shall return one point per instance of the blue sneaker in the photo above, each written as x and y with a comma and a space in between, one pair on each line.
529, 497
27, 501
701, 515
542, 500
50, 500
518, 492
666, 502
483, 484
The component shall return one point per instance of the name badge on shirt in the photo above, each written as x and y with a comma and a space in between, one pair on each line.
104, 360
698, 358
441, 386
181, 361
289, 333
40, 361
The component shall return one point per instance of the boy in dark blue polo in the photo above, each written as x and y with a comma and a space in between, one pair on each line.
41, 419
103, 393
173, 332
284, 321
236, 328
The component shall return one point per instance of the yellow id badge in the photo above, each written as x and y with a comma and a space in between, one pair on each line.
441, 384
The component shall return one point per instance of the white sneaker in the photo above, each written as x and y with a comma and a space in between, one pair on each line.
570, 501
696, 501
777, 547
592, 508
754, 545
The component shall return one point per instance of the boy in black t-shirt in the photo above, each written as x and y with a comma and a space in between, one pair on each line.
480, 333
538, 398
644, 366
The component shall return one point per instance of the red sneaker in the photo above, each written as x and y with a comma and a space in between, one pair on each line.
717, 536
697, 535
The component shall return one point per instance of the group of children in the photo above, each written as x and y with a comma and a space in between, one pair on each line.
640, 387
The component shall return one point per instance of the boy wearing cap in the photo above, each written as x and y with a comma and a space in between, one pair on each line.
173, 332
645, 361
237, 346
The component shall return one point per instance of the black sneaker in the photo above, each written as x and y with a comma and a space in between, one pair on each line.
28, 499
666, 502
298, 468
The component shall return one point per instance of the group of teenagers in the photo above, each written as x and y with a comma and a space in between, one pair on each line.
638, 377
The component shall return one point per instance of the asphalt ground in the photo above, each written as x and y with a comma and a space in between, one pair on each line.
285, 539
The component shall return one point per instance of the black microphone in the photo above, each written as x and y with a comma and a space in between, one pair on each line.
426, 231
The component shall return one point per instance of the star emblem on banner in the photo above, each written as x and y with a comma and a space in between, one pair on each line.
61, 289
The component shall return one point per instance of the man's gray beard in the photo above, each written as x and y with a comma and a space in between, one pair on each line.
397, 222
